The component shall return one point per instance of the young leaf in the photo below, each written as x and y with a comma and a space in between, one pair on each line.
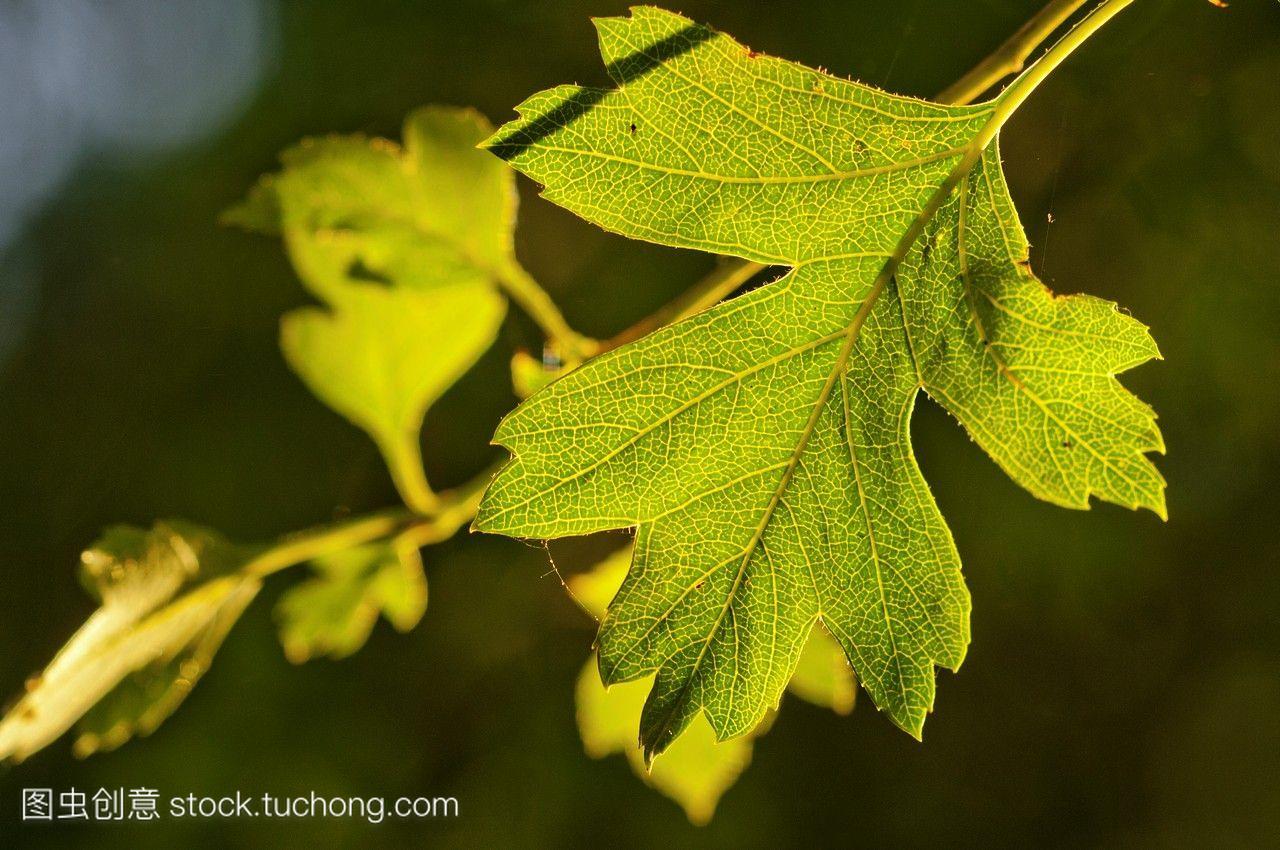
435, 212
169, 596
406, 246
822, 675
334, 612
696, 770
763, 447
385, 356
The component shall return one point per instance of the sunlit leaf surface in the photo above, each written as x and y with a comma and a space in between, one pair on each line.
762, 448
696, 770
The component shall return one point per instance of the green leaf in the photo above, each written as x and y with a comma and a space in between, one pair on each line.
169, 596
385, 356
696, 770
763, 447
435, 212
406, 246
334, 612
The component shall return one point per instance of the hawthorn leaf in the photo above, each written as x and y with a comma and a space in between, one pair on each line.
333, 613
351, 209
696, 770
168, 597
823, 676
385, 355
762, 448
595, 589
406, 246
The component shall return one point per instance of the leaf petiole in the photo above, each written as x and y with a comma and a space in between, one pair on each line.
453, 509
534, 300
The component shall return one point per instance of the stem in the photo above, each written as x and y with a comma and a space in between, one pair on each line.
404, 460
535, 301
1005, 105
1011, 56
307, 545
1008, 101
454, 508
460, 508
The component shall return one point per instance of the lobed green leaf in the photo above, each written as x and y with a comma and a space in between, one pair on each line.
763, 447
405, 245
697, 769
333, 613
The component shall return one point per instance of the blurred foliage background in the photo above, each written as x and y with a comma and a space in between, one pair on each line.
1123, 685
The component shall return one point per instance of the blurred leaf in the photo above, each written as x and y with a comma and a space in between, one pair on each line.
435, 212
823, 676
696, 770
168, 597
763, 447
386, 355
146, 698
596, 588
334, 612
405, 245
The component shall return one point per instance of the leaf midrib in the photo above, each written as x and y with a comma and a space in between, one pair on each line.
972, 153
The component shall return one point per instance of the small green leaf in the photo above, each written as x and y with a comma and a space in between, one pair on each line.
406, 245
763, 448
823, 676
435, 212
334, 612
169, 596
595, 589
386, 355
697, 770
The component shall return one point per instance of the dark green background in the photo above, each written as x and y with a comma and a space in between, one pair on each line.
1122, 687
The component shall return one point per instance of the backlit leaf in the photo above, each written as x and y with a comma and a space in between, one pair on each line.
385, 355
334, 612
696, 770
822, 675
762, 448
406, 246
351, 209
